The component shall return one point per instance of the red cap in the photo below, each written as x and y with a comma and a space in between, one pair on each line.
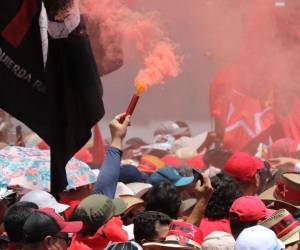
66, 227
250, 209
243, 166
186, 230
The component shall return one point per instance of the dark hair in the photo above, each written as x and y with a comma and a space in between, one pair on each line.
238, 226
226, 191
15, 217
37, 226
144, 225
165, 198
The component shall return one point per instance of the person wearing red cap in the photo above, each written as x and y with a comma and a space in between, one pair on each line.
245, 169
246, 212
46, 230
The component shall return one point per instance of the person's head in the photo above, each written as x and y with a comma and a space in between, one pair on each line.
218, 241
134, 207
245, 169
226, 191
164, 198
15, 217
258, 238
44, 199
246, 212
151, 226
95, 210
46, 230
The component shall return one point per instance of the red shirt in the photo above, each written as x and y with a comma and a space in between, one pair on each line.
208, 226
112, 231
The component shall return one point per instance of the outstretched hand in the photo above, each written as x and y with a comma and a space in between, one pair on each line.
118, 130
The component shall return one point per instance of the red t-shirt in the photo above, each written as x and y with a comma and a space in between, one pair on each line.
208, 226
112, 231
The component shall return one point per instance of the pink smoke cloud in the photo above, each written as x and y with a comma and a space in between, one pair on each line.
160, 64
116, 27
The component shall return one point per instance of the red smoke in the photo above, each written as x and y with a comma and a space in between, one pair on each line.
159, 64
120, 27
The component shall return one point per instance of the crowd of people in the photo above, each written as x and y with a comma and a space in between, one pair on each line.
177, 192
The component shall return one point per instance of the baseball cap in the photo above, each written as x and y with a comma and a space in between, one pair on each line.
169, 174
44, 200
250, 209
96, 209
218, 241
44, 222
129, 174
258, 238
243, 166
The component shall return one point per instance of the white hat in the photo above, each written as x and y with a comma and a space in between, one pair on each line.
4, 192
44, 200
186, 147
218, 241
137, 189
258, 238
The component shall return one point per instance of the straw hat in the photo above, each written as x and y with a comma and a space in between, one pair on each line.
189, 142
186, 147
131, 202
137, 189
286, 227
287, 190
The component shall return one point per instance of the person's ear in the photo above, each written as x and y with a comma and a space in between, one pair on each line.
48, 242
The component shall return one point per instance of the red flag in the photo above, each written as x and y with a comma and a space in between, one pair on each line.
242, 117
98, 148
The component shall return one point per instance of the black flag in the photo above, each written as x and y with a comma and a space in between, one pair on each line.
62, 101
